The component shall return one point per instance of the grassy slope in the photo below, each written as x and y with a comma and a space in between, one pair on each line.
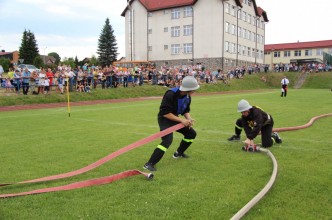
253, 82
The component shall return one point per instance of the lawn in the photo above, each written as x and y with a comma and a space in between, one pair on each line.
214, 183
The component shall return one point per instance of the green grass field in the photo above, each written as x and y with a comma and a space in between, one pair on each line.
216, 182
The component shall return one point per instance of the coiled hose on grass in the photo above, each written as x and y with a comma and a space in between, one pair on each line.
268, 186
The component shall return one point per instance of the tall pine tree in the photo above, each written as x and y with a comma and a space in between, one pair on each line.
29, 49
107, 46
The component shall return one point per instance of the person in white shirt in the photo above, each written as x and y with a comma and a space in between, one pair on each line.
284, 83
47, 85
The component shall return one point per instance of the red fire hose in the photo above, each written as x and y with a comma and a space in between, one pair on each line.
99, 181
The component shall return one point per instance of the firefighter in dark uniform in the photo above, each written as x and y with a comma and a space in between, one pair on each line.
175, 102
255, 121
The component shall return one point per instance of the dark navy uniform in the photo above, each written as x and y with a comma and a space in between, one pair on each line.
176, 104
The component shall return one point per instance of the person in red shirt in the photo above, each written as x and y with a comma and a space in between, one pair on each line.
50, 75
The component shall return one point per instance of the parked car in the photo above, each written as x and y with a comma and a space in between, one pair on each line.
30, 67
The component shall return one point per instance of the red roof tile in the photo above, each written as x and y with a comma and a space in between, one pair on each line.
162, 4
155, 5
299, 45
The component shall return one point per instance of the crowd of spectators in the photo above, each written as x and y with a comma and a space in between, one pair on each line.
87, 78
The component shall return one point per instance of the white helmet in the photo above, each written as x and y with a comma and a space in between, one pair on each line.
243, 105
189, 83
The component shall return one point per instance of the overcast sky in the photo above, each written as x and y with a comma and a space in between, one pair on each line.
72, 27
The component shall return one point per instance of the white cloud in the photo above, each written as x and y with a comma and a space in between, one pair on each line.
70, 28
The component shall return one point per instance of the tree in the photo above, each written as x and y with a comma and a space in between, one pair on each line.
76, 61
38, 62
5, 63
94, 61
56, 56
28, 50
69, 62
107, 46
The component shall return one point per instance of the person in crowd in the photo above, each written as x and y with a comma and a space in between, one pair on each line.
284, 84
17, 81
50, 76
25, 81
41, 81
256, 121
34, 80
8, 85
60, 83
10, 75
175, 102
46, 85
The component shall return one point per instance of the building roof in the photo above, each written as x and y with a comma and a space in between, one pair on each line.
155, 5
5, 53
299, 45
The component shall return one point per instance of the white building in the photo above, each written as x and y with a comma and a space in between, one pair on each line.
216, 33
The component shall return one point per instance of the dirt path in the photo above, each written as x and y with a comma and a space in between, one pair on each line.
96, 102
298, 84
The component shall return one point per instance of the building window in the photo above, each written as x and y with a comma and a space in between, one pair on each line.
227, 8
259, 38
175, 13
187, 30
233, 10
187, 48
165, 47
297, 53
188, 12
319, 52
233, 29
165, 29
287, 53
249, 52
244, 49
253, 54
249, 2
249, 18
227, 27
239, 31
253, 36
150, 31
244, 33
226, 46
276, 54
175, 31
308, 53
244, 16
175, 48
329, 51
233, 48
248, 35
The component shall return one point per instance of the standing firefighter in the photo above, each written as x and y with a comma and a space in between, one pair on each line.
175, 102
255, 121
